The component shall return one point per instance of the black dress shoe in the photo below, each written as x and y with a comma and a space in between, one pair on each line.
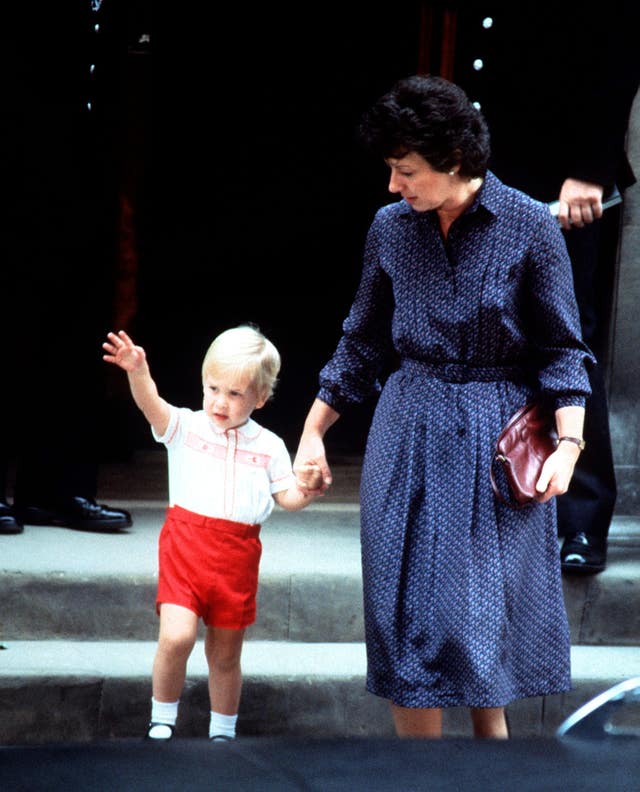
83, 514
9, 523
581, 554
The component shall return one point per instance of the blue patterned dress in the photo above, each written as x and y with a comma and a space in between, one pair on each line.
462, 595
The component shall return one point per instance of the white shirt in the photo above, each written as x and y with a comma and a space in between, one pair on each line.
230, 473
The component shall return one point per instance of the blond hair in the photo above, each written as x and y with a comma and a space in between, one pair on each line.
244, 351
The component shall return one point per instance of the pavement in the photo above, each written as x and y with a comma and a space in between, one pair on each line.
78, 627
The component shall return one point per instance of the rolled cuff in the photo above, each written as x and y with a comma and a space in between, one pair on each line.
333, 399
570, 400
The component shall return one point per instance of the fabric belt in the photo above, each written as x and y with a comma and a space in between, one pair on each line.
244, 530
463, 372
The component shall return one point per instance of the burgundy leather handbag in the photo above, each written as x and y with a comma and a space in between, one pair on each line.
522, 449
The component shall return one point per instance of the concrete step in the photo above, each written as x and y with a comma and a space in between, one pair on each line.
78, 629
55, 691
52, 579
57, 583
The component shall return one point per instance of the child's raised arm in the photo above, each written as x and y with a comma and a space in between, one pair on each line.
121, 351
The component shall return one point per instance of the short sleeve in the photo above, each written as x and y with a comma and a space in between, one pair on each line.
175, 427
280, 469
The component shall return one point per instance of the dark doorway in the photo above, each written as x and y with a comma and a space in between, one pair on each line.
261, 195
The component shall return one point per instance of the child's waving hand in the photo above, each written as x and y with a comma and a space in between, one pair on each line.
122, 352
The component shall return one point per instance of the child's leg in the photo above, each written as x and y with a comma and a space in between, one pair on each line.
178, 631
223, 648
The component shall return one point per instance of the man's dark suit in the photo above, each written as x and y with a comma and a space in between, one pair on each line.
62, 72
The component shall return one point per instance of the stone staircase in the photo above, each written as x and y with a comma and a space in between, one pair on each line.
78, 628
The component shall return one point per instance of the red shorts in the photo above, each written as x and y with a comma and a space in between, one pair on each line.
209, 566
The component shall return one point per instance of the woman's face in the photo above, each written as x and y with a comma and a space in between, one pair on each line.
418, 183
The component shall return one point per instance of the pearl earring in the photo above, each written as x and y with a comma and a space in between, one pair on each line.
451, 173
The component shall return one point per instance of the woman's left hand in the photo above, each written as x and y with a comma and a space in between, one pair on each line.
557, 472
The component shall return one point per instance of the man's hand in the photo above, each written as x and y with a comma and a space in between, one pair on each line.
580, 203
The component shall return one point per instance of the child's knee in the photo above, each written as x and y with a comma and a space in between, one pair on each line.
224, 663
176, 642
224, 655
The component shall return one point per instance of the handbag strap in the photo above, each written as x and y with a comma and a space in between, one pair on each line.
494, 484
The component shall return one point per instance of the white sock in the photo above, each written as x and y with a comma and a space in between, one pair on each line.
223, 725
164, 713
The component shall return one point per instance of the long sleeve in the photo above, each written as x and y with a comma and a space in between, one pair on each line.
351, 375
551, 313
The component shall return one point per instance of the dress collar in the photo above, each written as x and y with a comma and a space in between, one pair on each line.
487, 197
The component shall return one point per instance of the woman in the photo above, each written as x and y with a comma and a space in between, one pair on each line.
468, 282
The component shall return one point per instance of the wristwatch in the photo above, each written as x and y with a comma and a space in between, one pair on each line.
579, 441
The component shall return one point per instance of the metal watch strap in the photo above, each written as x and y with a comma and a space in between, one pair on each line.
577, 440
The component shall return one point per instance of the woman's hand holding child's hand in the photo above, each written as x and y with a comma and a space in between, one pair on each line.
309, 477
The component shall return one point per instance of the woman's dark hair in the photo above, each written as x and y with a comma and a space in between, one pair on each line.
434, 118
